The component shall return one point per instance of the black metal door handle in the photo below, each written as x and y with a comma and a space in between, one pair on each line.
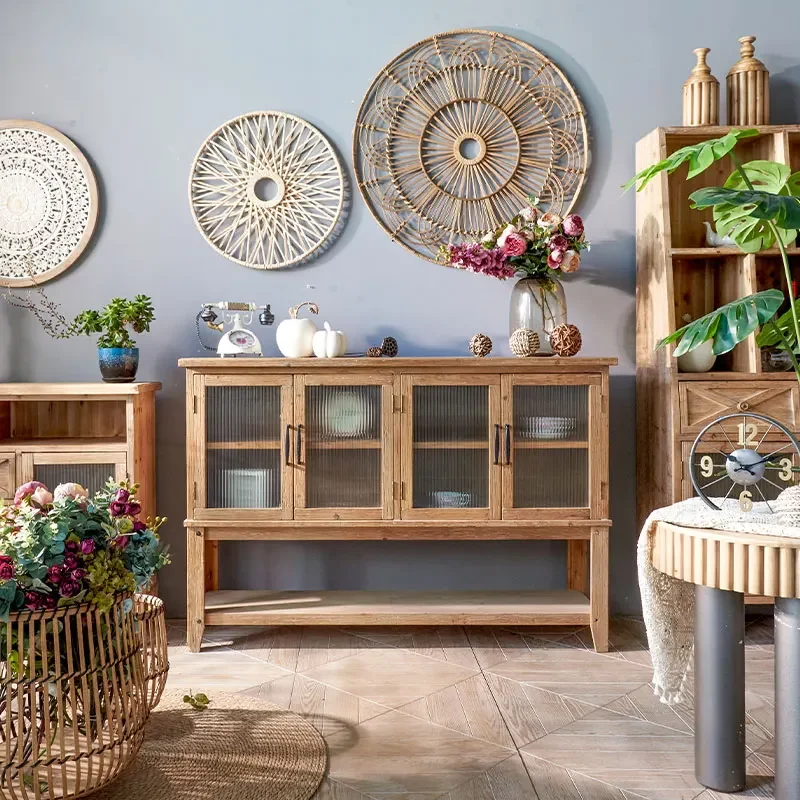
496, 444
287, 443
508, 444
298, 453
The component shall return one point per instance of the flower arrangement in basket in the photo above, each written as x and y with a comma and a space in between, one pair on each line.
532, 244
77, 680
65, 547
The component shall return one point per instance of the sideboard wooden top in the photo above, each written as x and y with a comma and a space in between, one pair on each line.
458, 364
98, 390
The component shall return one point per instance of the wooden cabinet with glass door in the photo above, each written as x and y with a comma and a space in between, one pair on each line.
398, 449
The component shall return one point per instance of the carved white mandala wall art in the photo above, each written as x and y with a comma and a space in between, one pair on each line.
459, 130
267, 190
48, 203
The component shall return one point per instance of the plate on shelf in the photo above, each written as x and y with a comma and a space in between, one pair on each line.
444, 499
346, 415
547, 427
246, 487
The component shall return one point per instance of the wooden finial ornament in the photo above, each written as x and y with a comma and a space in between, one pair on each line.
701, 93
748, 88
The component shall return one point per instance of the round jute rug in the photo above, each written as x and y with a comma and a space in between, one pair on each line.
239, 748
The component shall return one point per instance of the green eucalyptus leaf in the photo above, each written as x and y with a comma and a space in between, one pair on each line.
728, 325
699, 156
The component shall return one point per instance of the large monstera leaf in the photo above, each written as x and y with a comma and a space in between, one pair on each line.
699, 156
781, 332
727, 325
743, 213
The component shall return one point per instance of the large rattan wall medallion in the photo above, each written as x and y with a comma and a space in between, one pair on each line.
267, 190
48, 202
459, 130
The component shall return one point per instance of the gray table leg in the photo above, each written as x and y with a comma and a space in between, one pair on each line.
719, 752
787, 699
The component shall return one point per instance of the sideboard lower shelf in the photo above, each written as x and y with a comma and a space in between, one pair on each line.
243, 607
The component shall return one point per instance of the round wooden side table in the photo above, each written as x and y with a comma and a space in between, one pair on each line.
724, 566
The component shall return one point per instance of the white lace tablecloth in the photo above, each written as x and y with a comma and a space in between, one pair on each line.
668, 603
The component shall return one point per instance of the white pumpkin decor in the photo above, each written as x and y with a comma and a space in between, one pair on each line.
295, 336
329, 343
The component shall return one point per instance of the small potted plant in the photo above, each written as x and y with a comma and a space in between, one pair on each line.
116, 349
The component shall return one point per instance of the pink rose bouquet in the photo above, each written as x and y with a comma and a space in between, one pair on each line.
533, 244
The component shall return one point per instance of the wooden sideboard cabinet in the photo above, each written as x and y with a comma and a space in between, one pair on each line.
404, 448
81, 432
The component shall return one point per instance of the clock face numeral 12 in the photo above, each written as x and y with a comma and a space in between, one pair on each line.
747, 434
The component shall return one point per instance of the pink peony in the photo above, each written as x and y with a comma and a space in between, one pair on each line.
117, 508
87, 546
70, 561
36, 491
7, 571
509, 229
55, 574
122, 496
4, 559
121, 542
78, 574
571, 261
50, 601
133, 509
33, 600
139, 526
555, 258
515, 245
70, 491
573, 225
558, 242
71, 546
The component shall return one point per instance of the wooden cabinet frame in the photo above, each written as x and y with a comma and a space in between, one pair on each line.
585, 530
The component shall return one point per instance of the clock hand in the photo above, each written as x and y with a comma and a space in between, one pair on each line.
740, 467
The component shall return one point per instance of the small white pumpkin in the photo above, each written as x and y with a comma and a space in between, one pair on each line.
294, 336
329, 343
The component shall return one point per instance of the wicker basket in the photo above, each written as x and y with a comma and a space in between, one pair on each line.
73, 700
152, 628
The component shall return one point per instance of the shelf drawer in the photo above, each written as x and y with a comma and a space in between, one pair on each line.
702, 402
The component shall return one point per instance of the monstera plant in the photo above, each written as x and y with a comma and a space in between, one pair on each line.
759, 208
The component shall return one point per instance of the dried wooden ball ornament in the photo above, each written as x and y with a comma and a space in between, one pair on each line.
524, 343
480, 345
565, 340
374, 352
389, 347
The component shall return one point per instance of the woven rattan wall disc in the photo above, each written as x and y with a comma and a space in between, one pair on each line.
459, 130
48, 202
267, 190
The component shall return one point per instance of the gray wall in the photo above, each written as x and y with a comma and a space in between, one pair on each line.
139, 85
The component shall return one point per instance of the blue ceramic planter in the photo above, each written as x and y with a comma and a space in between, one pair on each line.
118, 364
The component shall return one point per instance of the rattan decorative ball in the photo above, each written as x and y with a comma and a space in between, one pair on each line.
480, 345
389, 347
524, 343
787, 507
566, 340
374, 352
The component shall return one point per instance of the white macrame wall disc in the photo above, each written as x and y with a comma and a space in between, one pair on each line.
459, 130
267, 190
48, 203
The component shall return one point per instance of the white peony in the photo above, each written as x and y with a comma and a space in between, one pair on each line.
549, 221
72, 491
529, 214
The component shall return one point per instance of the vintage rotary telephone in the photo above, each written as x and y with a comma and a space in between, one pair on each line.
238, 340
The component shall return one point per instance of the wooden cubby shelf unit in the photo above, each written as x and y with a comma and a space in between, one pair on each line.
678, 275
425, 449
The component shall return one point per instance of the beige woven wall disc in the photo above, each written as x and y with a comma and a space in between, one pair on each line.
48, 203
459, 130
267, 190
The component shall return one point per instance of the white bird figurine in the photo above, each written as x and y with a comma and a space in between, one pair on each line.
713, 239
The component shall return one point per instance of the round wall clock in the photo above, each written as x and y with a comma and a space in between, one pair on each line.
267, 190
48, 203
459, 131
744, 458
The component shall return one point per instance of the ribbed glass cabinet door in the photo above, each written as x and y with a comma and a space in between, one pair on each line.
343, 442
546, 449
451, 447
247, 446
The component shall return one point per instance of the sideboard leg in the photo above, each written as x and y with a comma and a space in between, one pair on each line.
787, 699
598, 588
195, 588
578, 565
719, 751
